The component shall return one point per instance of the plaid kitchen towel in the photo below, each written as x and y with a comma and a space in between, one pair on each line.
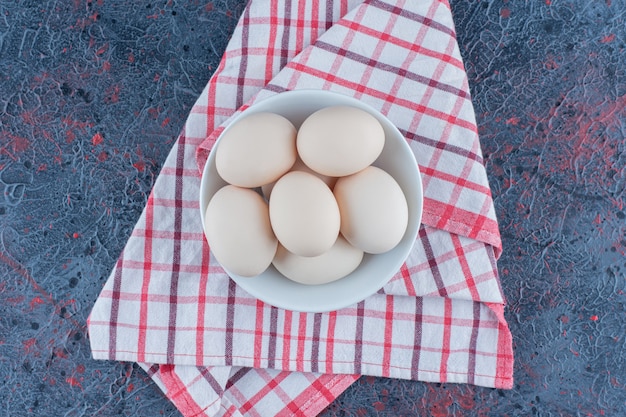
216, 350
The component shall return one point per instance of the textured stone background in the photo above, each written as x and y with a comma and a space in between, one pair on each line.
94, 93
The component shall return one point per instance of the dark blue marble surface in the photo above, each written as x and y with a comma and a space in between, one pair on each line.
94, 93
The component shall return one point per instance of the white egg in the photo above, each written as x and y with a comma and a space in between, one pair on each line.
374, 210
256, 150
237, 227
304, 214
340, 260
340, 140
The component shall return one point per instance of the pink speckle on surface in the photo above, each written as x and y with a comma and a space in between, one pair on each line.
608, 38
14, 146
73, 382
103, 156
97, 139
28, 345
35, 302
140, 166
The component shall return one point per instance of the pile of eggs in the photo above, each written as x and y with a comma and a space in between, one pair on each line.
308, 200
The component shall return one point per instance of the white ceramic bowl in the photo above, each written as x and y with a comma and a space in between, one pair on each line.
375, 270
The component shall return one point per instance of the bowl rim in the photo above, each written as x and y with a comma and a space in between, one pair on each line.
323, 298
